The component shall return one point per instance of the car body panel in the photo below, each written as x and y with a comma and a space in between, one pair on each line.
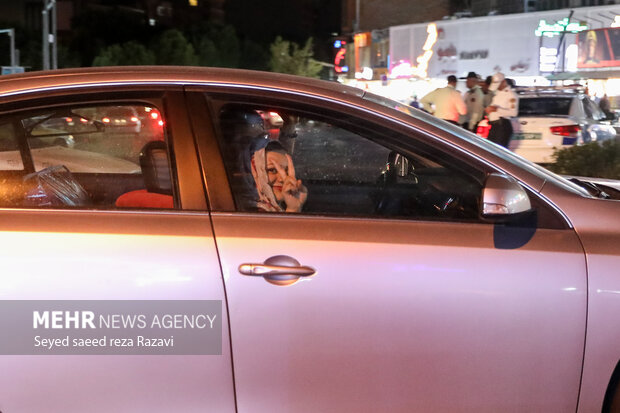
441, 343
156, 256
600, 238
532, 137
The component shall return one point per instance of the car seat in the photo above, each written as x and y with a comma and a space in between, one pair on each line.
156, 174
244, 133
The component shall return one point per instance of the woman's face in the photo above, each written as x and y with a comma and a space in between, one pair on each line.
275, 178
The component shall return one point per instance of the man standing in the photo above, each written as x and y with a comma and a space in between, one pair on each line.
474, 102
504, 105
448, 102
488, 94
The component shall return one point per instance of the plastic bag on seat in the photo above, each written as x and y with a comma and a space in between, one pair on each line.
54, 186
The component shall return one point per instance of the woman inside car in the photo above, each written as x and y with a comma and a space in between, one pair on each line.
274, 174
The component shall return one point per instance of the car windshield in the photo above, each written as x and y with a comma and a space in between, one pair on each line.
476, 140
549, 105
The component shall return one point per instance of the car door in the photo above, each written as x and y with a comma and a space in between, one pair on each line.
413, 302
68, 244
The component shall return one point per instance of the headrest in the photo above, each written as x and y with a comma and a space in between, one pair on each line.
155, 168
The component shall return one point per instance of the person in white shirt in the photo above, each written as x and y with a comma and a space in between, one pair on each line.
505, 104
488, 94
474, 102
447, 101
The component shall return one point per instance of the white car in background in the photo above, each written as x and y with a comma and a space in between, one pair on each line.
551, 119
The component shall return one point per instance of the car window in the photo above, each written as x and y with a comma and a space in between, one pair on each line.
592, 111
548, 105
92, 156
317, 164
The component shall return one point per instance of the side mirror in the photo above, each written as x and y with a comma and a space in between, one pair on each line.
502, 196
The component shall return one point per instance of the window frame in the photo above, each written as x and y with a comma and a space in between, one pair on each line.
216, 181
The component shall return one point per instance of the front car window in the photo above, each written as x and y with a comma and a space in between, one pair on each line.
482, 143
340, 168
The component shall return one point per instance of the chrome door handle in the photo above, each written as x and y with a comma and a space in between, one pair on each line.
262, 269
279, 270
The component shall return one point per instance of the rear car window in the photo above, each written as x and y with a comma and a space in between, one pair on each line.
544, 106
96, 156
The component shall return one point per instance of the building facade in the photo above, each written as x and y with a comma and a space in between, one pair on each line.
532, 48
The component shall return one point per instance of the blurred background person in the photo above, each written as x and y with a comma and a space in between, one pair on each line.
487, 93
504, 105
474, 101
445, 102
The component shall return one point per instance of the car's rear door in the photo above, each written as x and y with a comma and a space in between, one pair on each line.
65, 237
415, 304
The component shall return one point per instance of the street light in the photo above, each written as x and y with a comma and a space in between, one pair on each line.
47, 37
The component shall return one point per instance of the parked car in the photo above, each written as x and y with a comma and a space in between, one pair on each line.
551, 119
425, 270
121, 119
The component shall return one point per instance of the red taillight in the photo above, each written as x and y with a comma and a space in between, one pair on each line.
565, 130
483, 130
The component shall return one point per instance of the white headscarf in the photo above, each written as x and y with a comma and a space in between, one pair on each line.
266, 198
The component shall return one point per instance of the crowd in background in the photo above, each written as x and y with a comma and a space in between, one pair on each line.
493, 96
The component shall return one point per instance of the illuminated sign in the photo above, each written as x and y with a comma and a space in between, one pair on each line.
562, 26
340, 61
599, 48
548, 59
193, 2
476, 54
616, 22
361, 39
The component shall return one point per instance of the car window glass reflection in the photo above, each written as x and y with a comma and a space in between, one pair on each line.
284, 161
98, 156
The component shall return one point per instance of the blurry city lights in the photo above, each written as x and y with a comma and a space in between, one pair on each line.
403, 69
367, 73
421, 69
572, 54
548, 59
406, 69
339, 60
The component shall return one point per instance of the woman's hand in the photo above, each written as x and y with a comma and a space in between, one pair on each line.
293, 191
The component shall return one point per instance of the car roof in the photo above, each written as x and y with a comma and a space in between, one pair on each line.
172, 75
